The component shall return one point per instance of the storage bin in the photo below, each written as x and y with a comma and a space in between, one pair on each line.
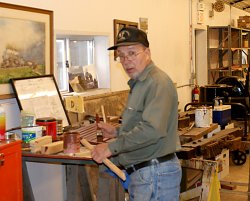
222, 114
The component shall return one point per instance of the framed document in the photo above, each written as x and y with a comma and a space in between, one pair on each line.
40, 96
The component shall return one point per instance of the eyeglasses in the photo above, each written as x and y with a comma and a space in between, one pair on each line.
130, 56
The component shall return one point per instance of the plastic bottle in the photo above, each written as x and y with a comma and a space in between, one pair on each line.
2, 123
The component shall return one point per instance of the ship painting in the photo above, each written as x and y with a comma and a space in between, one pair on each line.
22, 48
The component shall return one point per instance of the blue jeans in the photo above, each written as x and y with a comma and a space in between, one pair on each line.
158, 182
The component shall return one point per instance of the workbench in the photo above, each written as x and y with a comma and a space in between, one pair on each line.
197, 133
78, 181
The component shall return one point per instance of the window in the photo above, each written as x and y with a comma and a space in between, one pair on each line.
81, 61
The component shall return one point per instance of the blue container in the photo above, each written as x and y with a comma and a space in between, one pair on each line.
222, 114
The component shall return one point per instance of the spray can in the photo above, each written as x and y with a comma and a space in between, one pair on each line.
2, 123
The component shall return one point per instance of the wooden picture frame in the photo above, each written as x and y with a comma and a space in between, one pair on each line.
118, 25
26, 44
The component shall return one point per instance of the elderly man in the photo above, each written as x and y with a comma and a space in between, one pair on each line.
146, 142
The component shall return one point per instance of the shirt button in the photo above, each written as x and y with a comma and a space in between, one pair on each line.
115, 151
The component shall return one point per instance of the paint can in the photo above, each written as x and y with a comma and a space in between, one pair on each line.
49, 126
30, 133
59, 126
71, 142
203, 117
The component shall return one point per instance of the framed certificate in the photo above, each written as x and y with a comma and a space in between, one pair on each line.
40, 96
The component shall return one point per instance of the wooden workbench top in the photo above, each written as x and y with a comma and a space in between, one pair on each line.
196, 133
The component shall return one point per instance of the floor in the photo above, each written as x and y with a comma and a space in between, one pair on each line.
236, 174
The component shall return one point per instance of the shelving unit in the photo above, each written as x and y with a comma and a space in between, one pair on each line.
228, 50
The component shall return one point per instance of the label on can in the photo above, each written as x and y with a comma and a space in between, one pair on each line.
28, 136
31, 133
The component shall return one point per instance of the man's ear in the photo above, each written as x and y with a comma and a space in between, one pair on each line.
148, 52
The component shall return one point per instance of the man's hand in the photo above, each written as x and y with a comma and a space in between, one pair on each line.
108, 130
100, 152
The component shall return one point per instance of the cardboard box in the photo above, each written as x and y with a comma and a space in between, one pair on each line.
223, 163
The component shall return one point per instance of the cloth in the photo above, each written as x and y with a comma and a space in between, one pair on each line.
149, 122
160, 182
124, 183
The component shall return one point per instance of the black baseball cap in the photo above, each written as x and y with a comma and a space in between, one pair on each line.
130, 36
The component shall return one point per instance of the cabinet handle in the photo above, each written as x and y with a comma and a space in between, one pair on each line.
1, 159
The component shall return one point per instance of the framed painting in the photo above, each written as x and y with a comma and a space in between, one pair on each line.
118, 25
26, 44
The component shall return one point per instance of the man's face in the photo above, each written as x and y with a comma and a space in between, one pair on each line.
134, 59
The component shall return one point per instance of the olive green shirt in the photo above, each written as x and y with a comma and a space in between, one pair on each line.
149, 121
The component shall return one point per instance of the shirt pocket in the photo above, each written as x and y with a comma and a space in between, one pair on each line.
131, 117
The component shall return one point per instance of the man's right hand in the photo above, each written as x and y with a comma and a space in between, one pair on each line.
108, 130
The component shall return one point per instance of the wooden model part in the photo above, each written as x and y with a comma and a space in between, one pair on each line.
35, 145
52, 148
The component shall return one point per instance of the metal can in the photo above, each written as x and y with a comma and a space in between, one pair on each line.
49, 126
59, 126
71, 142
203, 117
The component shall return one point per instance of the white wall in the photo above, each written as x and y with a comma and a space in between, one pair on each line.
168, 30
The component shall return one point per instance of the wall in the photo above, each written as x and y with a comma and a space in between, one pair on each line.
168, 30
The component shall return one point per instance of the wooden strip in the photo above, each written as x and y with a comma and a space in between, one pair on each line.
233, 183
89, 132
106, 161
103, 114
235, 192
219, 135
197, 133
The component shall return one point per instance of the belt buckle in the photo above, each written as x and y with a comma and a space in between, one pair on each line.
154, 161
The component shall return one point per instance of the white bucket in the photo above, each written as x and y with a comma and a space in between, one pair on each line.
203, 117
30, 133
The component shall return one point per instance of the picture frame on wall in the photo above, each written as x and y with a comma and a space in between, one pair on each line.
26, 48
118, 25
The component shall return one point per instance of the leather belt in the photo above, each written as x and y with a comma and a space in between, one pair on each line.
158, 160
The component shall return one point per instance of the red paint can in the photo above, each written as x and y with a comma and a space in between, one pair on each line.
49, 126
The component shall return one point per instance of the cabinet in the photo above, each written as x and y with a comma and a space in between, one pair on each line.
227, 53
10, 171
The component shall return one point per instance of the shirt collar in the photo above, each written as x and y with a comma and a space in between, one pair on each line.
142, 76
